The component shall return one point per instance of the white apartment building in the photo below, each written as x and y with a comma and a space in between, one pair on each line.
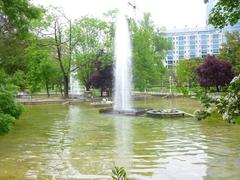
190, 43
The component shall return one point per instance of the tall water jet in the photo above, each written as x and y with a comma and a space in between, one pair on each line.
122, 100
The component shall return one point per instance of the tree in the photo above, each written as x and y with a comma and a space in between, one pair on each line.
102, 79
15, 19
57, 28
12, 53
10, 110
224, 13
19, 79
149, 50
61, 46
229, 104
230, 50
93, 42
16, 16
186, 71
42, 66
214, 72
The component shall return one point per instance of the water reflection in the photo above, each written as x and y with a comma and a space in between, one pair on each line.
77, 142
123, 140
56, 156
169, 152
182, 154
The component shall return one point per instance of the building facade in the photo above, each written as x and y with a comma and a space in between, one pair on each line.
190, 43
197, 42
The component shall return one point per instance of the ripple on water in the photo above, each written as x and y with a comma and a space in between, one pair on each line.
80, 143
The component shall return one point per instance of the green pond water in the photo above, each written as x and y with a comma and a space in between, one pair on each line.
76, 142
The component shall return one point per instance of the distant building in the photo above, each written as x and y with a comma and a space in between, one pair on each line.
193, 42
197, 42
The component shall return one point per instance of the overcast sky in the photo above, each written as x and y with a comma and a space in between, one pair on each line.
168, 13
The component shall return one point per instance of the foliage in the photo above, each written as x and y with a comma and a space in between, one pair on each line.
19, 79
214, 72
42, 67
12, 53
224, 13
5, 82
186, 72
102, 78
9, 111
8, 104
9, 108
230, 50
206, 102
119, 173
92, 37
201, 114
17, 15
6, 122
229, 105
149, 50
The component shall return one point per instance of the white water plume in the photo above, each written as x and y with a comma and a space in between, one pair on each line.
123, 66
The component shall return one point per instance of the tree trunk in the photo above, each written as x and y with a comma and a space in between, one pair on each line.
47, 89
65, 86
60, 88
87, 88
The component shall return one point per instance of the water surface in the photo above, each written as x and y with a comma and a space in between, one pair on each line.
75, 141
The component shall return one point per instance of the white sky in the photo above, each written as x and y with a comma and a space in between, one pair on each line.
168, 13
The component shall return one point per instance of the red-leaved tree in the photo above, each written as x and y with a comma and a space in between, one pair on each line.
215, 72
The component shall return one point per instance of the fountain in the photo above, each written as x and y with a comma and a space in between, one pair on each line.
123, 66
122, 99
168, 113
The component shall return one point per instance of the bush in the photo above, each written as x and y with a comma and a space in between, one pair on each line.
229, 105
10, 110
8, 105
6, 121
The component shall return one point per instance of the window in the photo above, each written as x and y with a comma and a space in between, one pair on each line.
192, 52
181, 42
181, 38
215, 46
181, 47
204, 46
215, 36
192, 46
192, 38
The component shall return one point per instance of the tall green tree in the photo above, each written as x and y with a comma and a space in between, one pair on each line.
93, 38
186, 72
149, 50
42, 66
230, 50
224, 13
12, 53
15, 24
16, 16
58, 29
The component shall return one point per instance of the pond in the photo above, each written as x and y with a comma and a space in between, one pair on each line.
76, 142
